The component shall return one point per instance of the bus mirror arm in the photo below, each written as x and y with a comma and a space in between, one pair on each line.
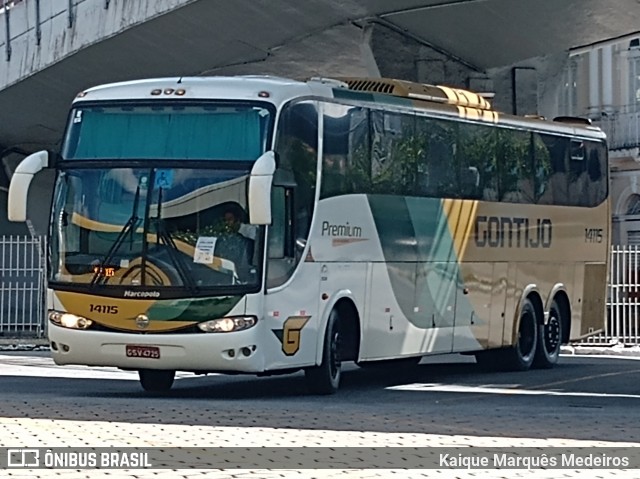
20, 182
260, 182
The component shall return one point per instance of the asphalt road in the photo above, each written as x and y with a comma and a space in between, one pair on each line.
446, 401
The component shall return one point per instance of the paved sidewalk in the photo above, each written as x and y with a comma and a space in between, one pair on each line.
16, 432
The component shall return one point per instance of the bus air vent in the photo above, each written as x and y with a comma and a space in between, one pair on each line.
572, 119
419, 91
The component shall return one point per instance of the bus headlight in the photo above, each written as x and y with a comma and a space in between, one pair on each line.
228, 325
68, 320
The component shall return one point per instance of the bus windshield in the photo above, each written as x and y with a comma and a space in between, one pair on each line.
170, 131
154, 227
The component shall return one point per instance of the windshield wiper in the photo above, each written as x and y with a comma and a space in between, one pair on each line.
129, 226
173, 250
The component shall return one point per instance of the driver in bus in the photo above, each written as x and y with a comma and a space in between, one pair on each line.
236, 243
233, 224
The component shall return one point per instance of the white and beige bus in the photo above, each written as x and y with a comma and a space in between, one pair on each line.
264, 225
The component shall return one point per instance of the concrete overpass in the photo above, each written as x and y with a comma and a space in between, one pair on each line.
51, 49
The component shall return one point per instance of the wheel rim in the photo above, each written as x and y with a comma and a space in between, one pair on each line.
552, 333
526, 335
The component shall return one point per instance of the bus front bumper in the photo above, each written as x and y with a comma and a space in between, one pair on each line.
207, 352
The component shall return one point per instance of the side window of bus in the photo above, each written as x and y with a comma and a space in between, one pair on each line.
552, 152
575, 170
578, 175
516, 173
277, 247
346, 163
435, 148
596, 158
297, 152
394, 147
477, 162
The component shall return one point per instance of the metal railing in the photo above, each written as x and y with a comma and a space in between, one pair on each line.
622, 127
22, 286
34, 18
623, 301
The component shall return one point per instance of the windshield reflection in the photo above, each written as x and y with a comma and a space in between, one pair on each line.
153, 227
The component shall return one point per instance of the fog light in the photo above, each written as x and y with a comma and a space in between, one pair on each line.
246, 352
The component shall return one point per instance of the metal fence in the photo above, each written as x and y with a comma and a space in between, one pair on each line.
23, 276
623, 300
22, 286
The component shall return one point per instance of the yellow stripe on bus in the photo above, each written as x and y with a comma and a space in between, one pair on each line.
460, 216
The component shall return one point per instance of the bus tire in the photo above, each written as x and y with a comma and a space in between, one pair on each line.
520, 356
325, 378
156, 380
549, 339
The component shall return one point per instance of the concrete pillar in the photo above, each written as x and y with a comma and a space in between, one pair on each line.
367, 57
594, 83
607, 79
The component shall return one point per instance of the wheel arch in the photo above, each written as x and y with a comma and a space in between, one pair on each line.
344, 303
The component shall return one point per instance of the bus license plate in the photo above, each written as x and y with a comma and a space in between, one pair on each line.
149, 352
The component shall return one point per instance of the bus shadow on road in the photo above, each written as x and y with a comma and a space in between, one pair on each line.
355, 381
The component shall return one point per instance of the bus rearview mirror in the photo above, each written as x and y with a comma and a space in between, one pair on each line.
260, 182
20, 182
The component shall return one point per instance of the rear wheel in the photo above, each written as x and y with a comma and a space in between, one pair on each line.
549, 339
156, 380
325, 378
520, 356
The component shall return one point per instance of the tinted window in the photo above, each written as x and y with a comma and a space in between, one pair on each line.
176, 131
404, 154
346, 163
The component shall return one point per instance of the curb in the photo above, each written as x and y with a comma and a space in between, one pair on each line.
616, 350
24, 345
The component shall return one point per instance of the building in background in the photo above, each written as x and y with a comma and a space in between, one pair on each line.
603, 83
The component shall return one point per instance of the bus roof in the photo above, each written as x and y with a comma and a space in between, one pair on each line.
271, 89
381, 91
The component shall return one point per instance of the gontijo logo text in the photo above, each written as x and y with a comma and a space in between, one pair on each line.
512, 232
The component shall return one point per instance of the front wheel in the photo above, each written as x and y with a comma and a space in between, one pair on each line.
325, 378
156, 380
549, 339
